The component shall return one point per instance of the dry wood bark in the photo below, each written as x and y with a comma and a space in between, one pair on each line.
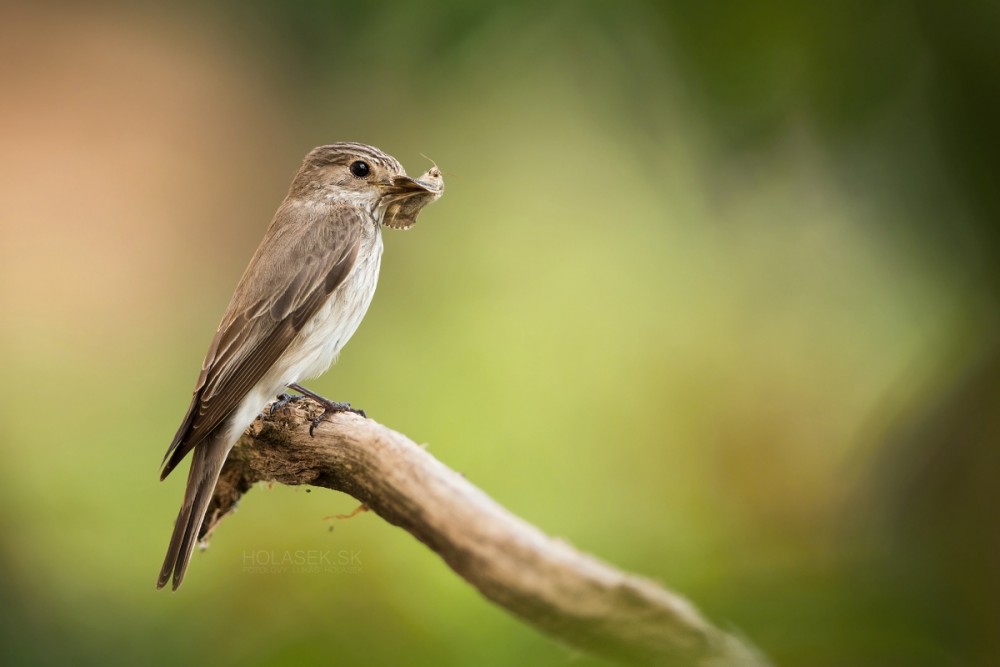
546, 582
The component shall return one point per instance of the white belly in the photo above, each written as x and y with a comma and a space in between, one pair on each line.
324, 336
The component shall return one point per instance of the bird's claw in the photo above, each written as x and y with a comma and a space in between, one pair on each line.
283, 400
332, 408
329, 407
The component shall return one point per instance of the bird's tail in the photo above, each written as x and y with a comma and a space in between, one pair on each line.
206, 464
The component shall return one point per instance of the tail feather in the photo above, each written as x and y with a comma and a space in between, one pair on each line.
206, 464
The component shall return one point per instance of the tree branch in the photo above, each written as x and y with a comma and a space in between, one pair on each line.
544, 581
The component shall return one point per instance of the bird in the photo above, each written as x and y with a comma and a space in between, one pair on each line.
302, 296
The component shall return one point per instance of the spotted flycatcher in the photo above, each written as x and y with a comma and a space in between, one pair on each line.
301, 298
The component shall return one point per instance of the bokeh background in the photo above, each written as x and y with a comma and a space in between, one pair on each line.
711, 295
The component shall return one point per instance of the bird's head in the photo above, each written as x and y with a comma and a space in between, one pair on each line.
363, 176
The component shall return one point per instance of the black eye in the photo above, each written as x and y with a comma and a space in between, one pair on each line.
360, 169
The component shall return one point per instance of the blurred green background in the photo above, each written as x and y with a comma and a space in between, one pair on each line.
711, 295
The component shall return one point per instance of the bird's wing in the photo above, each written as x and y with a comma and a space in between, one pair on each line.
306, 260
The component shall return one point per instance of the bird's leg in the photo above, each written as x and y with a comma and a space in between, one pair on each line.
329, 407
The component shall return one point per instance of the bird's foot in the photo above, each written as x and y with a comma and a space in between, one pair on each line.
329, 407
332, 408
283, 400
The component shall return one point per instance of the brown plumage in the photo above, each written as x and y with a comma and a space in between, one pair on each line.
301, 298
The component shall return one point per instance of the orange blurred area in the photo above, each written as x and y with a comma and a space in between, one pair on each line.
711, 295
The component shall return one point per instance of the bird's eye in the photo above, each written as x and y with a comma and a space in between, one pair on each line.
360, 169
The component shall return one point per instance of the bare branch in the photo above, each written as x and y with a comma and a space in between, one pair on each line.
544, 581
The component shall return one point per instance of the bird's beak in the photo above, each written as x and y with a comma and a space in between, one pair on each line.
404, 185
408, 195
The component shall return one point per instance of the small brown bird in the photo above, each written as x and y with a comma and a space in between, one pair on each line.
301, 298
